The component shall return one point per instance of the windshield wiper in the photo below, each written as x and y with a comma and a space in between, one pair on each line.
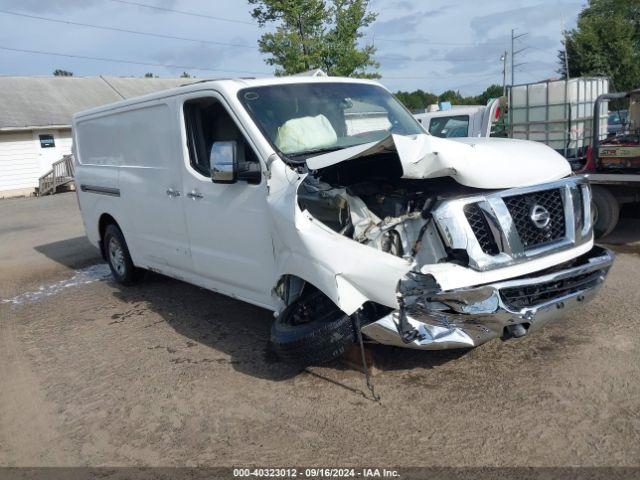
318, 151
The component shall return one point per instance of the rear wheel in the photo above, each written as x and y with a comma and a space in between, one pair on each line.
606, 211
312, 331
118, 257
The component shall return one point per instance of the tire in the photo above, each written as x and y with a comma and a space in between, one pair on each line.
321, 339
118, 257
606, 211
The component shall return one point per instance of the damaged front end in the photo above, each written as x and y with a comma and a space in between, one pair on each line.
468, 317
384, 215
480, 263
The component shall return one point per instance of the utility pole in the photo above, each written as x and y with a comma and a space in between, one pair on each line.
515, 52
503, 58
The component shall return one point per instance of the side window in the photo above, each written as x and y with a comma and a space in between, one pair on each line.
207, 122
450, 127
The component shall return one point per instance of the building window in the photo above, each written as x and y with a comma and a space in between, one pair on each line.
46, 141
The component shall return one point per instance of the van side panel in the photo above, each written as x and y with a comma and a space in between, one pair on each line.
137, 153
96, 175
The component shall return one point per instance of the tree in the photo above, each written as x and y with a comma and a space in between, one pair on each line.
150, 75
343, 56
450, 96
185, 75
312, 34
62, 73
417, 100
493, 91
605, 42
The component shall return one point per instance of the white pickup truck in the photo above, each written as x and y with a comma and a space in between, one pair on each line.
462, 120
323, 200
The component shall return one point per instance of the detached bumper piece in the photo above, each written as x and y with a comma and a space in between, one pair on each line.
469, 317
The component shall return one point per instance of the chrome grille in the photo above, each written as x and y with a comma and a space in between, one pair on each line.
497, 229
481, 229
521, 206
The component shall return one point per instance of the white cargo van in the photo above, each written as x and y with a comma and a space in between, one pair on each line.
323, 200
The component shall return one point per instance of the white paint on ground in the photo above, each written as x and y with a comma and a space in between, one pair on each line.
94, 273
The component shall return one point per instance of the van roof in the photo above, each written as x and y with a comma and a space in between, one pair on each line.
228, 86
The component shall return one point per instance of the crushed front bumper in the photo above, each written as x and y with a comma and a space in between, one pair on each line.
468, 317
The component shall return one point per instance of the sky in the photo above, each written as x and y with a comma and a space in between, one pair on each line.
433, 45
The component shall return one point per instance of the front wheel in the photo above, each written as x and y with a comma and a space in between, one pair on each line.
312, 331
118, 257
606, 211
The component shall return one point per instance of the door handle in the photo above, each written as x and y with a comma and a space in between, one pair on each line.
173, 193
193, 194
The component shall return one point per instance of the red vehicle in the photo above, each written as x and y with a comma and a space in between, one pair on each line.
613, 164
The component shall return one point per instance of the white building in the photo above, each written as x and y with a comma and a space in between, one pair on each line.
35, 120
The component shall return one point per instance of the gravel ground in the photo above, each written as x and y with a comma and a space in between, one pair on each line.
166, 374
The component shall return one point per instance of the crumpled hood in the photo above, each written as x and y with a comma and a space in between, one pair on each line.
489, 163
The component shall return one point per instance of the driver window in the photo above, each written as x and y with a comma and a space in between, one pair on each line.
207, 122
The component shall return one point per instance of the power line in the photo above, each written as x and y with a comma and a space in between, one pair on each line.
194, 40
384, 57
461, 60
183, 12
446, 44
514, 52
441, 77
233, 20
244, 22
191, 67
131, 62
473, 83
531, 75
124, 30
173, 37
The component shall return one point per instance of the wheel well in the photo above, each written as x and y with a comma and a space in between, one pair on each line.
105, 220
103, 223
291, 287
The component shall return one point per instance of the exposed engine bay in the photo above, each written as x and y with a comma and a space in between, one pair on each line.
469, 247
366, 200
428, 223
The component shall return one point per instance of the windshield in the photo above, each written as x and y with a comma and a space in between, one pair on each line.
302, 120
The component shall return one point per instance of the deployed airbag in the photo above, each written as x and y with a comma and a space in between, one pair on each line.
306, 133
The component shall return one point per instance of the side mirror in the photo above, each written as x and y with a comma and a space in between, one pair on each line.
224, 162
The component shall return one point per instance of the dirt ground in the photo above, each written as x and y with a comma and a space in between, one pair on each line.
166, 374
